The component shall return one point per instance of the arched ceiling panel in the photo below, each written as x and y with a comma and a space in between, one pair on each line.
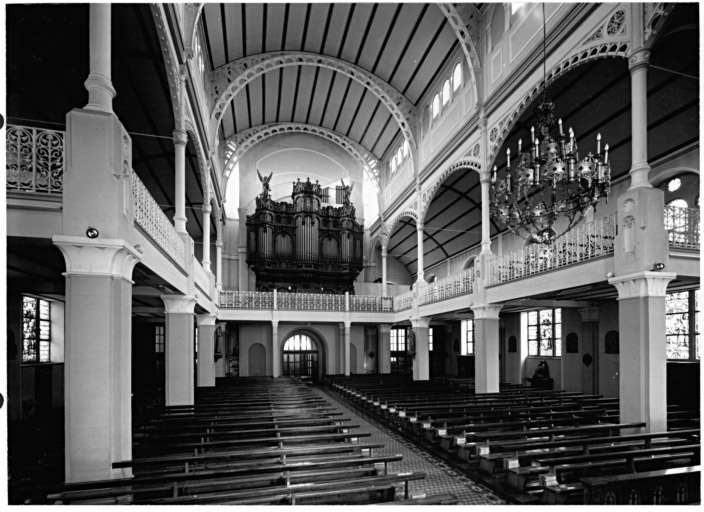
404, 44
402, 244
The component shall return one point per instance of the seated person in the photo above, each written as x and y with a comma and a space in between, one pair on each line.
541, 377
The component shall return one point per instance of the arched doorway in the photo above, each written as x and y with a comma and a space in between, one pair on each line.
300, 357
257, 360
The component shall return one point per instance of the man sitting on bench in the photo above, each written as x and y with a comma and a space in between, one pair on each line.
541, 378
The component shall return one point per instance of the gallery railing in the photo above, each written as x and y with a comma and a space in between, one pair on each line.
404, 301
150, 217
583, 243
448, 287
682, 225
34, 159
304, 301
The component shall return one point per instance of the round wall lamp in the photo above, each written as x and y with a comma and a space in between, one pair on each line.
91, 232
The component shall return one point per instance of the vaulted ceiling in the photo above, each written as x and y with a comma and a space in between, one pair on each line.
404, 45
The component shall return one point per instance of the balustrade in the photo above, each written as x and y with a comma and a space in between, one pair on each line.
34, 159
682, 225
310, 302
583, 243
149, 216
403, 301
448, 287
201, 277
246, 300
370, 303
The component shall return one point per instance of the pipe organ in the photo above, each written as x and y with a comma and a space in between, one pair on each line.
304, 246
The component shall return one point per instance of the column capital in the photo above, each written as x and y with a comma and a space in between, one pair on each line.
422, 323
639, 59
207, 209
179, 303
107, 257
642, 284
274, 324
485, 177
419, 226
589, 314
486, 311
180, 137
206, 319
384, 328
347, 324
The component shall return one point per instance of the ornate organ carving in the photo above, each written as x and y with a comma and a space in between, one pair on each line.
304, 246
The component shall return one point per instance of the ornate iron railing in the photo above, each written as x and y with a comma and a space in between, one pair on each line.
682, 225
310, 302
201, 277
371, 303
149, 216
448, 287
35, 159
246, 300
583, 243
404, 301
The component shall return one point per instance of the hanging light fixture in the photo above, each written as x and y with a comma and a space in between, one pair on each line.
548, 181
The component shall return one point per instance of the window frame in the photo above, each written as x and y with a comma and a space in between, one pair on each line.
41, 343
456, 84
556, 345
691, 334
468, 345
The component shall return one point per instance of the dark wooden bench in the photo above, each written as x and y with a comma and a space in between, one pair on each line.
678, 485
523, 453
554, 469
262, 473
435, 499
296, 491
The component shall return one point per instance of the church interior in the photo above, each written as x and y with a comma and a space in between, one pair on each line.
352, 253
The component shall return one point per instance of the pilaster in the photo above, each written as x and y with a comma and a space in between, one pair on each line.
206, 350
97, 356
384, 348
486, 347
421, 357
179, 349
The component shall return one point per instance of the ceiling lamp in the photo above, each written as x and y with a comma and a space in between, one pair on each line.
549, 181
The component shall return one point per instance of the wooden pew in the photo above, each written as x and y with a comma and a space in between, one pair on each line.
678, 485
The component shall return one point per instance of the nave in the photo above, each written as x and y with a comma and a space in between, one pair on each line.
274, 441
386, 439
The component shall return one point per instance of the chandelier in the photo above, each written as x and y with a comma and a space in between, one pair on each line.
548, 180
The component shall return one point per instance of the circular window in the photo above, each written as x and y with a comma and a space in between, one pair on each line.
674, 184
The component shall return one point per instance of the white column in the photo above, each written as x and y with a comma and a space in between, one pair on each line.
206, 350
419, 232
179, 349
218, 264
486, 347
384, 287
275, 349
180, 140
206, 236
99, 82
384, 348
348, 325
242, 251
97, 356
485, 180
638, 66
642, 355
421, 360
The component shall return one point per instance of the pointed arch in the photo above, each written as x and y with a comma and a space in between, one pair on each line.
465, 163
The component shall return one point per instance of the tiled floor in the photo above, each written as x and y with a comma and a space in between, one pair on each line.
440, 478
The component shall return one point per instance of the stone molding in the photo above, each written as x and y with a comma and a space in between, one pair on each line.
174, 304
206, 319
486, 311
642, 284
108, 257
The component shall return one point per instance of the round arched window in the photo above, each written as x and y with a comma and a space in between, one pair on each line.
300, 356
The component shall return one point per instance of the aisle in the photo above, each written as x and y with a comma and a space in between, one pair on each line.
440, 478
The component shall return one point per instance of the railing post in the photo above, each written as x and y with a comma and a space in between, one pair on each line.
275, 300
347, 301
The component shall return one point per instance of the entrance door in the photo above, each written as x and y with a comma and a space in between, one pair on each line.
300, 357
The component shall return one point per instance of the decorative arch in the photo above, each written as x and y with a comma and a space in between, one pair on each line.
405, 213
465, 163
464, 20
245, 140
317, 338
170, 61
191, 14
231, 78
200, 154
602, 50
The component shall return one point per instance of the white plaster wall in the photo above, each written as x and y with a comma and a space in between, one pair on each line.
609, 374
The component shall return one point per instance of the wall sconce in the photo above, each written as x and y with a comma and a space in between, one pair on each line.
91, 232
657, 267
